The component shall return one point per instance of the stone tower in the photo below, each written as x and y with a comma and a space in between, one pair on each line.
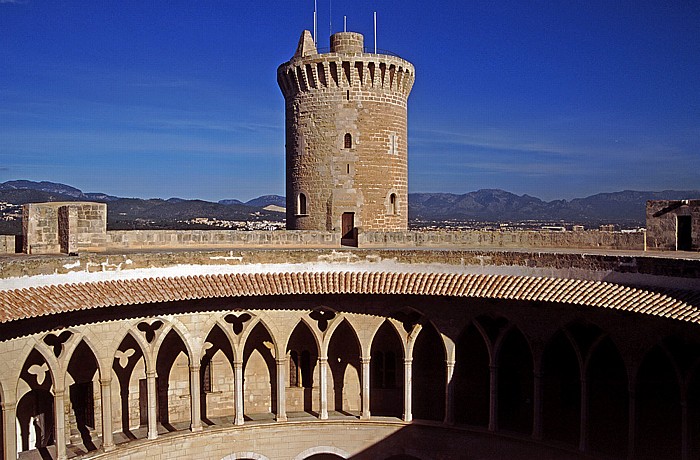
346, 137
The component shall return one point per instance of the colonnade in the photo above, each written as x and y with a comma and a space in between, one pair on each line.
571, 388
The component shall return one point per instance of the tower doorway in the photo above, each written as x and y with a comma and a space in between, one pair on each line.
684, 239
349, 232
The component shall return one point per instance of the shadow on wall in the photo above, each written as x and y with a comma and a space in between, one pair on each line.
422, 442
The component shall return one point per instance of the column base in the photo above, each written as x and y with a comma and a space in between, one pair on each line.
281, 418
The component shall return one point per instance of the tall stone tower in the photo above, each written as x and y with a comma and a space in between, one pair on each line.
346, 137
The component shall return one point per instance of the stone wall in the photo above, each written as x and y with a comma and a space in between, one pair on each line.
67, 227
663, 219
590, 239
7, 244
172, 239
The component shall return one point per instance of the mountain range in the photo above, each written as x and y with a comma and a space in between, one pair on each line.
624, 208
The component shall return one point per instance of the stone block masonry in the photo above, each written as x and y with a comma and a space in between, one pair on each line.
346, 136
64, 227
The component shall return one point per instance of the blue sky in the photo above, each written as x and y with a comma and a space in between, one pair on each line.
556, 99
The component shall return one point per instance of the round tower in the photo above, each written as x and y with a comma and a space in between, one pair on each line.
346, 137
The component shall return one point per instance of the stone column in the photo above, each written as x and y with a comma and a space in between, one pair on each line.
583, 437
9, 441
493, 397
195, 403
107, 437
631, 423
152, 405
323, 385
407, 389
281, 390
365, 414
537, 407
238, 391
685, 429
60, 428
450, 394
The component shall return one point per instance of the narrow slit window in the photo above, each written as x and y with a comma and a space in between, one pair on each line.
392, 204
348, 141
301, 204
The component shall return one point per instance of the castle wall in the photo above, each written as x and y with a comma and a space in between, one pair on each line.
167, 239
589, 239
664, 225
52, 228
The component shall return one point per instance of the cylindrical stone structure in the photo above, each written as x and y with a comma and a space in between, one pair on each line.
346, 137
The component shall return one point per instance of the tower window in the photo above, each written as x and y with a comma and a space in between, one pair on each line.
301, 204
393, 148
393, 208
348, 141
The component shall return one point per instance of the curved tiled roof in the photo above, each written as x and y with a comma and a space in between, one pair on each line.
43, 300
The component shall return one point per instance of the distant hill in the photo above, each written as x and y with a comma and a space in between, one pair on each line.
625, 207
268, 200
230, 202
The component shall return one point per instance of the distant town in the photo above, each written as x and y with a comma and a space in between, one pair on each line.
493, 210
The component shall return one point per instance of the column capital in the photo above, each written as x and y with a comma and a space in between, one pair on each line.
450, 362
194, 367
408, 361
281, 361
106, 381
7, 406
322, 359
365, 359
151, 374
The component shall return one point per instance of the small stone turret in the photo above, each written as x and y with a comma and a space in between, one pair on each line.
346, 136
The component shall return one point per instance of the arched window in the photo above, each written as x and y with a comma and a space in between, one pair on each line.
348, 140
393, 206
301, 204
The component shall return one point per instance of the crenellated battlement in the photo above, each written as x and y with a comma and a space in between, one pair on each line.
346, 66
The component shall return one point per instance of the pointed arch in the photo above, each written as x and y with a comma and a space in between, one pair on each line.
260, 372
302, 353
344, 351
129, 368
216, 376
173, 359
84, 392
386, 376
658, 407
515, 381
471, 377
608, 396
429, 374
561, 390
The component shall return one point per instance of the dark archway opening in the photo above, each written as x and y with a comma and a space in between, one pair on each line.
216, 379
658, 433
386, 377
471, 379
561, 391
515, 384
608, 400
83, 369
303, 356
429, 375
259, 375
172, 383
344, 362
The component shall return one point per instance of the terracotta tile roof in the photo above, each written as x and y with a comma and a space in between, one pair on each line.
43, 300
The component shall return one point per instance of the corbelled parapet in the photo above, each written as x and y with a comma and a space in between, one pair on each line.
346, 65
346, 137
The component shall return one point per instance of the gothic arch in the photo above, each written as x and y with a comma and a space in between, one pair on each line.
344, 351
515, 388
386, 375
471, 376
